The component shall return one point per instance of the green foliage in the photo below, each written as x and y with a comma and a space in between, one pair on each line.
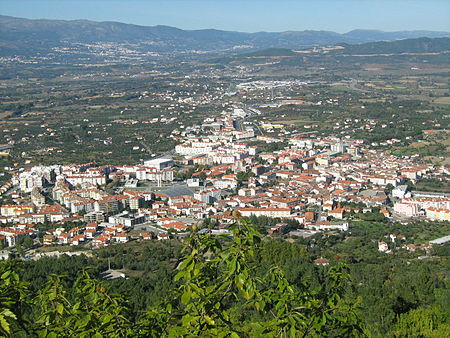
215, 276
14, 299
219, 293
27, 242
20, 250
371, 216
244, 176
268, 147
92, 311
235, 285
434, 184
423, 322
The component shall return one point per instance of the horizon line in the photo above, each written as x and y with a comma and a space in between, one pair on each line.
226, 30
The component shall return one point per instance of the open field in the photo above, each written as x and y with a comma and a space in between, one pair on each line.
442, 100
105, 113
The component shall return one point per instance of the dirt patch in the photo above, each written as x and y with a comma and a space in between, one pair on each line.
442, 100
4, 115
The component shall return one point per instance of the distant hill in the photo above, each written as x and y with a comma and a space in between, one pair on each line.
270, 52
31, 37
420, 45
376, 35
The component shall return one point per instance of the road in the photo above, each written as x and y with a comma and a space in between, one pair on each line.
238, 124
259, 129
353, 84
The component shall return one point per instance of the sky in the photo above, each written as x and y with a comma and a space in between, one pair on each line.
246, 15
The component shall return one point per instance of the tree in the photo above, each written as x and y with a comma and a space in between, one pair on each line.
27, 242
423, 322
20, 250
388, 189
218, 280
14, 293
244, 176
218, 294
92, 312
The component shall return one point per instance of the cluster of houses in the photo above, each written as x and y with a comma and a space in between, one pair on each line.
397, 241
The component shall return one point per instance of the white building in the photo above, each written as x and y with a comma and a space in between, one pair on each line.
225, 184
208, 196
30, 180
324, 226
401, 192
407, 209
159, 163
126, 219
269, 212
81, 178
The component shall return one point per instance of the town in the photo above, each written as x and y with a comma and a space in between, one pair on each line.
313, 184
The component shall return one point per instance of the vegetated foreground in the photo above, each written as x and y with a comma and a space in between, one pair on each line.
237, 286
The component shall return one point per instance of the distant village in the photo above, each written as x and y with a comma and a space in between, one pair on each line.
319, 183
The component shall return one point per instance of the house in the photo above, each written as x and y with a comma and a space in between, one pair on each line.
385, 212
327, 206
74, 231
16, 210
438, 214
162, 236
77, 240
63, 238
146, 236
393, 237
383, 247
49, 239
413, 247
90, 233
285, 202
121, 237
321, 261
267, 176
102, 240
310, 216
337, 213
178, 226
91, 226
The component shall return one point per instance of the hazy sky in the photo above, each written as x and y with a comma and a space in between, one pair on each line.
247, 15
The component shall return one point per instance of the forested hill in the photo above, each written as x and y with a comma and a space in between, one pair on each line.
25, 37
270, 52
420, 45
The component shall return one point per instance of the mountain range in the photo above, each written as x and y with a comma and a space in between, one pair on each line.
29, 37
